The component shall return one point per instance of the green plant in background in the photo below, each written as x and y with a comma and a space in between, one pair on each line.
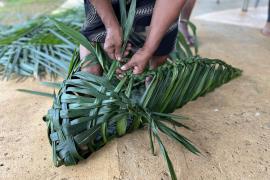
37, 48
88, 111
18, 11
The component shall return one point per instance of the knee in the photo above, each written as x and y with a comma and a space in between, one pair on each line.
83, 52
157, 61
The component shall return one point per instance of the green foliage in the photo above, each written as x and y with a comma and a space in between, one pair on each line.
37, 47
89, 110
21, 2
36, 93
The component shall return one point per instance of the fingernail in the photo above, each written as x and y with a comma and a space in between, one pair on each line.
121, 75
123, 68
118, 58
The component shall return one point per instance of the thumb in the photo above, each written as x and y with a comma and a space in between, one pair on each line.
127, 66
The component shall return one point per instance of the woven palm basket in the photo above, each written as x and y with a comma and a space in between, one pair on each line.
89, 110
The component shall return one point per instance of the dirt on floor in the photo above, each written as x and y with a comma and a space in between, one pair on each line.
231, 125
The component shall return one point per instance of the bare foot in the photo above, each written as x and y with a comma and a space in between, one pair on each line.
266, 29
183, 27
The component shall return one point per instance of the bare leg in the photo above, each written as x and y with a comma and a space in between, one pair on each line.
90, 68
184, 17
157, 61
266, 29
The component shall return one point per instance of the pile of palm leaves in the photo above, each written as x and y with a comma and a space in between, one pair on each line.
37, 48
88, 111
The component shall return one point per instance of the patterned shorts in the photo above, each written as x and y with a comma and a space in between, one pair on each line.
95, 31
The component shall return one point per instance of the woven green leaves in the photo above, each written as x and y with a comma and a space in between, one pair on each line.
89, 110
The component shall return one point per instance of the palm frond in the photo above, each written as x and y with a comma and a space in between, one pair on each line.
102, 109
89, 110
36, 93
37, 47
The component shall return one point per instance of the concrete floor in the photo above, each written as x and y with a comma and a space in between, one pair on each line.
208, 6
254, 18
231, 125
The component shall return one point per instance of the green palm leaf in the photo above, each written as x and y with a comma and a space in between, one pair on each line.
88, 110
37, 47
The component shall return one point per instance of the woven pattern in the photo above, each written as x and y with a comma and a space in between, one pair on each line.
90, 110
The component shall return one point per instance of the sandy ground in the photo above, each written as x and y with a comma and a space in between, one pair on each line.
231, 125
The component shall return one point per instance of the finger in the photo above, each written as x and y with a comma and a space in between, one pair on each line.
138, 70
120, 76
128, 49
118, 52
119, 71
148, 80
127, 66
126, 53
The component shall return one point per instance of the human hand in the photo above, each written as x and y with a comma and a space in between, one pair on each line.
138, 62
113, 42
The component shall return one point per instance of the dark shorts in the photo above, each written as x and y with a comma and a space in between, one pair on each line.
95, 31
